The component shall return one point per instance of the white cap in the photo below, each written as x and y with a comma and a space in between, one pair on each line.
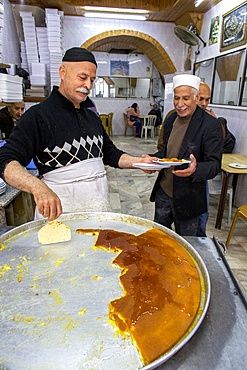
186, 80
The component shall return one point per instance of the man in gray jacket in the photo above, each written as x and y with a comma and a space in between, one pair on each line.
190, 133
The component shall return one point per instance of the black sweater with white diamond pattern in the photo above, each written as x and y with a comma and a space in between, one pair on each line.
54, 133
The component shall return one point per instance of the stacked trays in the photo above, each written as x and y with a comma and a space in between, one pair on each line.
2, 187
10, 88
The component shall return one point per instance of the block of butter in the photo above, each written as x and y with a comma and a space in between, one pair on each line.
54, 232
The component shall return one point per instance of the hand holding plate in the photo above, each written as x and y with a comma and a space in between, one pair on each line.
187, 171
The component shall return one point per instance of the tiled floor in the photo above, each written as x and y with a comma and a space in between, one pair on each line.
130, 191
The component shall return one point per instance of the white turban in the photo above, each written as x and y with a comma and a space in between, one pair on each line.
186, 80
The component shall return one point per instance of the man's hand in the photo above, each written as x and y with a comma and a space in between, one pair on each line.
126, 161
145, 158
189, 170
48, 203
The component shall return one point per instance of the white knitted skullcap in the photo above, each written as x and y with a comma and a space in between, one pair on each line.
186, 80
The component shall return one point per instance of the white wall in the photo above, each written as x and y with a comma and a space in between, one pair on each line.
214, 50
236, 116
80, 29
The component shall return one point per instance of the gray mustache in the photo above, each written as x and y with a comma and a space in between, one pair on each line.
83, 90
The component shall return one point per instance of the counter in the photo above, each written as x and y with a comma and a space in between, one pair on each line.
8, 197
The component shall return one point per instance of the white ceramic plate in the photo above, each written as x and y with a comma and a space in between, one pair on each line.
150, 166
237, 165
157, 165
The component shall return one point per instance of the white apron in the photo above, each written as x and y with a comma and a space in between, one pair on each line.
81, 187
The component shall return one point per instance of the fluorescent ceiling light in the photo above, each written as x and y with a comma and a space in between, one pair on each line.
198, 2
115, 13
137, 17
114, 10
135, 61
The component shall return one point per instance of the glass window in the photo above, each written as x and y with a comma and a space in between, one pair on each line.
227, 78
204, 70
244, 97
121, 87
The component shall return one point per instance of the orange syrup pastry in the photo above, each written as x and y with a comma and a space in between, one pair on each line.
171, 160
161, 286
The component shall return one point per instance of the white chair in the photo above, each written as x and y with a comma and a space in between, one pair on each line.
148, 124
215, 185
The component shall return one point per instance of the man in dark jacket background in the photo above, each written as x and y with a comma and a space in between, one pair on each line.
228, 144
190, 133
156, 111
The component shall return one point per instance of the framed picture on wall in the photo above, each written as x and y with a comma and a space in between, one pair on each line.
119, 68
233, 29
214, 30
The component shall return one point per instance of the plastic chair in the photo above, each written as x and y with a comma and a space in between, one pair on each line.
110, 118
128, 126
241, 212
148, 124
215, 186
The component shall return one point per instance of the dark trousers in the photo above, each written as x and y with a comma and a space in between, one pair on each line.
166, 216
203, 219
137, 124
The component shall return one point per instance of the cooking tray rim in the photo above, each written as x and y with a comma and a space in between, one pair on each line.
105, 217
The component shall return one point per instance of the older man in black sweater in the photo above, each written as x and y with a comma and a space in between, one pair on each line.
68, 144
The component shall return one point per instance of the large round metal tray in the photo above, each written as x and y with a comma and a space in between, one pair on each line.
54, 298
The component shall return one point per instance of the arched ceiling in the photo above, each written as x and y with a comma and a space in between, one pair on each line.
132, 42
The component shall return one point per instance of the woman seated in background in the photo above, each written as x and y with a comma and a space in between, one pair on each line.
132, 114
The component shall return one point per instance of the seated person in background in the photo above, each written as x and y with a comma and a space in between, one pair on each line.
229, 138
132, 114
99, 95
9, 116
156, 112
